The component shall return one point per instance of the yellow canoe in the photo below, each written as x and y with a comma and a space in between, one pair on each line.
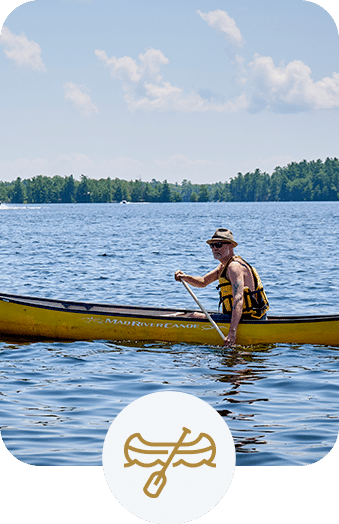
41, 318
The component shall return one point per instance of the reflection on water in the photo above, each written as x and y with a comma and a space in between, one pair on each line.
57, 400
280, 402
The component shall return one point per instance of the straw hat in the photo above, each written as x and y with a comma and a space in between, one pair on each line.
222, 235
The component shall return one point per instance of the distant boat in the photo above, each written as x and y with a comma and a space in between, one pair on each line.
124, 202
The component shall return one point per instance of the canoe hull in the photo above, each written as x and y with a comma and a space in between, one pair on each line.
35, 318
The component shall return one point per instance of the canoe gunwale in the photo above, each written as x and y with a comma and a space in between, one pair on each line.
90, 307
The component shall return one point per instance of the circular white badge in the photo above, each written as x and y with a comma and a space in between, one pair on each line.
169, 457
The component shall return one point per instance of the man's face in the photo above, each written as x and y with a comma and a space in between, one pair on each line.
221, 250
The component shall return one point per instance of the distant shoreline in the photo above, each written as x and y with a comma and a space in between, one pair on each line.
297, 182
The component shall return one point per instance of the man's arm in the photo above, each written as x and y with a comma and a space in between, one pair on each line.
198, 281
236, 276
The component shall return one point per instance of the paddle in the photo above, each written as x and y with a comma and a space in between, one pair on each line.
158, 478
204, 310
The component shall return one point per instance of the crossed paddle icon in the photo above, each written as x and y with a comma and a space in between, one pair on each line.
157, 481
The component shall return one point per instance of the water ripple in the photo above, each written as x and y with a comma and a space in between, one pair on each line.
57, 400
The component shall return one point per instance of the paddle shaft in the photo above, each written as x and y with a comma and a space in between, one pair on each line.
216, 327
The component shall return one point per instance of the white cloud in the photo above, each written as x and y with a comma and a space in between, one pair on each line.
122, 167
221, 21
76, 95
23, 167
127, 69
261, 84
144, 87
283, 88
288, 88
73, 163
24, 52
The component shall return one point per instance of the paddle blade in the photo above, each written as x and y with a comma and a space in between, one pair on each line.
155, 484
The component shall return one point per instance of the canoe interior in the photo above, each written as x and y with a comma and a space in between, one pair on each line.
89, 307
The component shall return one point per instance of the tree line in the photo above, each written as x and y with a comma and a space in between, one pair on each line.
303, 181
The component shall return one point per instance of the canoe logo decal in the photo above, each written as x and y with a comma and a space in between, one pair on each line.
138, 323
192, 454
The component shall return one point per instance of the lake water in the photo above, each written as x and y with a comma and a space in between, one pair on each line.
57, 400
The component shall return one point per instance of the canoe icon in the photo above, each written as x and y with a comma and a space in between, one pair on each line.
192, 454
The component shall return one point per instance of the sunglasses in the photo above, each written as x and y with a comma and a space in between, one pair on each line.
218, 244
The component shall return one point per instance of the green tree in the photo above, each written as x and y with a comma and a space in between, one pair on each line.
165, 194
300, 189
186, 190
39, 189
236, 188
118, 194
136, 191
147, 192
107, 190
217, 195
4, 189
83, 191
204, 195
68, 190
284, 190
56, 189
18, 193
176, 197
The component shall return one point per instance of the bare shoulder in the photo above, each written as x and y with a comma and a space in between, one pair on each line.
239, 262
236, 268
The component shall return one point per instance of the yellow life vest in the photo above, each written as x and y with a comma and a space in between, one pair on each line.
255, 302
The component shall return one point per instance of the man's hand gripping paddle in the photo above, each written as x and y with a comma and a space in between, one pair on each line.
204, 311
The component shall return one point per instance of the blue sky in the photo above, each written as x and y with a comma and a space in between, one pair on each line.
189, 89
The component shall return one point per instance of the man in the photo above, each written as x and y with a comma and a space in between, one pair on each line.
241, 291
